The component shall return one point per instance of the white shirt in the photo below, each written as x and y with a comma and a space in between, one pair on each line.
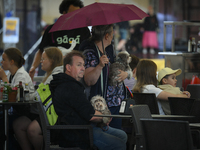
152, 89
56, 70
22, 75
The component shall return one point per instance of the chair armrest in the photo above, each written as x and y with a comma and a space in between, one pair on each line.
69, 127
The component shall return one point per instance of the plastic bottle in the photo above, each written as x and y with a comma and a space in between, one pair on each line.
20, 92
198, 47
26, 93
193, 45
189, 45
1, 91
5, 92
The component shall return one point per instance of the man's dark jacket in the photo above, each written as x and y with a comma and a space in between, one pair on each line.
70, 103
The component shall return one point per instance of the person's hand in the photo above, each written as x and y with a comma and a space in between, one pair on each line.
32, 72
109, 121
187, 93
122, 76
103, 60
3, 75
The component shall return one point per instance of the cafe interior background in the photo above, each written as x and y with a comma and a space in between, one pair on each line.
34, 15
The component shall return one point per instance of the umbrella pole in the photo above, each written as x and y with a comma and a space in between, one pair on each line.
102, 43
103, 47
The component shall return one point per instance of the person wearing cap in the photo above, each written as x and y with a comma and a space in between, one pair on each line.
147, 83
167, 80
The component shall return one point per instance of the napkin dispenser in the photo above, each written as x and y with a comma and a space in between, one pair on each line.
124, 108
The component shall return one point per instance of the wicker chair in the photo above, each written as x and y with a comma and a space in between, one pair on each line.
180, 105
162, 134
138, 112
194, 90
147, 99
195, 111
46, 128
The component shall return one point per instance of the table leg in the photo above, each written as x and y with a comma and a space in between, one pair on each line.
6, 126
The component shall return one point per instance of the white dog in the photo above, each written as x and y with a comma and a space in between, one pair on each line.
99, 104
122, 63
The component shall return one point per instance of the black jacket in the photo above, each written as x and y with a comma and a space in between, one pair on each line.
151, 23
69, 100
72, 108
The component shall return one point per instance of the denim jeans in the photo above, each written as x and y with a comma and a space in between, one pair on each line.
110, 139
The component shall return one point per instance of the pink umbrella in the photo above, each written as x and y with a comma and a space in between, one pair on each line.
98, 14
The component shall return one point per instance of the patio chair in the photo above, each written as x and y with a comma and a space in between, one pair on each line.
195, 111
147, 99
138, 112
166, 134
46, 129
194, 90
180, 106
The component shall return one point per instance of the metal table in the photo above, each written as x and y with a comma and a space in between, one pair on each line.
6, 106
154, 116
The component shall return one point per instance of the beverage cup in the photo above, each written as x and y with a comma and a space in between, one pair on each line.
12, 96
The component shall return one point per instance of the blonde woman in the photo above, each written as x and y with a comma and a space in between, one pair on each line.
28, 132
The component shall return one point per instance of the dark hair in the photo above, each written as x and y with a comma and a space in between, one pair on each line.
146, 74
99, 31
15, 54
64, 6
134, 61
166, 77
68, 59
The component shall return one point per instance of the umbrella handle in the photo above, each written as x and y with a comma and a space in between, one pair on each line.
104, 52
102, 43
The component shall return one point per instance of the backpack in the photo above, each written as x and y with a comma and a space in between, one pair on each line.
43, 94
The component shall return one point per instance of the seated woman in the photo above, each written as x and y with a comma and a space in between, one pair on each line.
29, 132
13, 61
147, 82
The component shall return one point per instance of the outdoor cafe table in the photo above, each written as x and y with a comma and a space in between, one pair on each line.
6, 106
194, 125
169, 117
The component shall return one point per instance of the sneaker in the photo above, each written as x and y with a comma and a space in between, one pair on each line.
144, 51
152, 51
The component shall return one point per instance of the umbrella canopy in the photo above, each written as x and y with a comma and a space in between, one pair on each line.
98, 14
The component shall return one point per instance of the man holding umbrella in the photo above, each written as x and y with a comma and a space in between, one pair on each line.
61, 38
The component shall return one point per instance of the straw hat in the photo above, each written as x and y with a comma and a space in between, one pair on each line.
167, 71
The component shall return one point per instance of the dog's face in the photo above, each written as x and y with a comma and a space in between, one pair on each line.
98, 103
124, 56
